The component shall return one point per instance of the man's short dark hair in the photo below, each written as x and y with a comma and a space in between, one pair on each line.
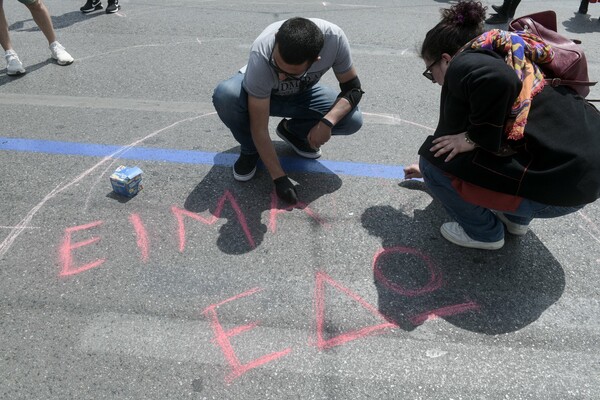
299, 40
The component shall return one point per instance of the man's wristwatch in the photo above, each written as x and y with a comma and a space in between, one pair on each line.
327, 122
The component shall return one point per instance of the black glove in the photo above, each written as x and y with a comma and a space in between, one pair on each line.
285, 190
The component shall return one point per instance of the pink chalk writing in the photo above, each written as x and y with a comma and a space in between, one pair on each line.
435, 275
141, 235
444, 312
276, 211
142, 239
321, 279
227, 196
324, 339
222, 339
67, 247
435, 282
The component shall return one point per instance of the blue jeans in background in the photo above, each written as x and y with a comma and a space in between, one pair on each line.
478, 222
304, 109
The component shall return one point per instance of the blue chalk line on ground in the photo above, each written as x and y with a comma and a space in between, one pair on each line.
291, 164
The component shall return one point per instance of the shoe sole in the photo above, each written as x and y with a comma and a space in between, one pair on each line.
244, 178
92, 10
112, 12
15, 73
480, 245
63, 63
301, 153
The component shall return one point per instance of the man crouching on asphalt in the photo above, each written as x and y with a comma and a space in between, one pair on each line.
281, 79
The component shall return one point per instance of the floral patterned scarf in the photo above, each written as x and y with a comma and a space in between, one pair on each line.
521, 51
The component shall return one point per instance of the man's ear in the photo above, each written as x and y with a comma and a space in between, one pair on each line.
446, 57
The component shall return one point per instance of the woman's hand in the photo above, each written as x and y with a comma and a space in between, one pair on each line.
412, 172
452, 144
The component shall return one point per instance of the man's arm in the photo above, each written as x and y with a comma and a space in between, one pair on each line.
342, 106
321, 133
259, 126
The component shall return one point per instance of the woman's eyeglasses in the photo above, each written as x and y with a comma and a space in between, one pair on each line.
427, 74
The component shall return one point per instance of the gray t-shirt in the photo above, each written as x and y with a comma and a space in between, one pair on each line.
262, 81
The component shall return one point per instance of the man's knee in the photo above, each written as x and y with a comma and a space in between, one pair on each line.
357, 122
220, 95
227, 94
351, 123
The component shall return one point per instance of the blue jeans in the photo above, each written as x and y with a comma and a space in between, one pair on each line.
305, 110
478, 222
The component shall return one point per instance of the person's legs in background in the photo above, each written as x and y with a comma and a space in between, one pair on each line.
91, 5
41, 16
13, 63
4, 36
504, 12
113, 6
96, 5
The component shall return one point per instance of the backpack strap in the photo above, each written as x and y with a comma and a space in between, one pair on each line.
554, 82
557, 82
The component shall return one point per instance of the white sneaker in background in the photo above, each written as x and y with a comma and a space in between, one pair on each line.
14, 66
60, 54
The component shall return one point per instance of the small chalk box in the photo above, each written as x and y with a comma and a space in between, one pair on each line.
126, 181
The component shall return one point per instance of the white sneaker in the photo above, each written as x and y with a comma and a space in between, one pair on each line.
512, 227
454, 233
14, 66
60, 54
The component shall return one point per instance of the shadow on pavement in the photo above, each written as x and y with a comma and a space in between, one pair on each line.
419, 274
58, 22
243, 204
582, 23
4, 78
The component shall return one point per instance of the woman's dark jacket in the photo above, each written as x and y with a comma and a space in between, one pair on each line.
557, 162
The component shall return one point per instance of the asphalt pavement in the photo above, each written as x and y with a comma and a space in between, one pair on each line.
202, 287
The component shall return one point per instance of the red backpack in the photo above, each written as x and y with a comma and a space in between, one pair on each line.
569, 66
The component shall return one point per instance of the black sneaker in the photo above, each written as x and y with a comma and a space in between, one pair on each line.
301, 147
91, 5
499, 9
245, 167
113, 6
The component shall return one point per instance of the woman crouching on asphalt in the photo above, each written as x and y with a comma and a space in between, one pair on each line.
507, 148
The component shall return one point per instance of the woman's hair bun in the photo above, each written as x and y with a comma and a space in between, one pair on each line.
464, 13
